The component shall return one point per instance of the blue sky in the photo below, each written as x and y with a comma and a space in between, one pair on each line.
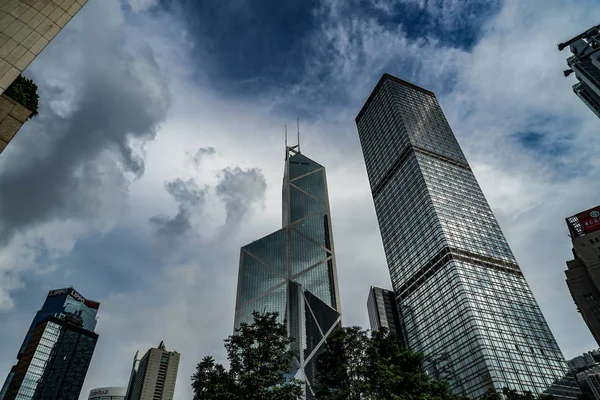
158, 153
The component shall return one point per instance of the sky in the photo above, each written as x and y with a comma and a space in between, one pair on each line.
159, 151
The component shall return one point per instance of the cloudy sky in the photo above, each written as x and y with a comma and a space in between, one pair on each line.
158, 153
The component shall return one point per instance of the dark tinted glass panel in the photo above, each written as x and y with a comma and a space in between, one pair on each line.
274, 301
302, 205
257, 278
313, 184
314, 227
325, 315
271, 249
313, 335
318, 283
295, 301
305, 253
300, 165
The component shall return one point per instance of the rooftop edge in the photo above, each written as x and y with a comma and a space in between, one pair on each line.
392, 78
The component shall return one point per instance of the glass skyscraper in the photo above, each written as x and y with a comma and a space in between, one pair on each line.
54, 357
292, 271
65, 301
383, 311
54, 363
461, 295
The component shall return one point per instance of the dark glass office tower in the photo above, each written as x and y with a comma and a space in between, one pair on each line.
64, 324
65, 301
55, 361
461, 294
292, 271
585, 63
383, 311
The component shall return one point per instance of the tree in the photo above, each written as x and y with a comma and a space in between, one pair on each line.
355, 366
259, 359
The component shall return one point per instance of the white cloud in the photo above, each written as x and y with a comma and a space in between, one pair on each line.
140, 5
511, 82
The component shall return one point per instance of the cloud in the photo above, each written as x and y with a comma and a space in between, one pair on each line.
240, 189
185, 193
504, 95
82, 156
140, 5
188, 195
201, 154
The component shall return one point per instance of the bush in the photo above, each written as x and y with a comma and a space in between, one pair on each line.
24, 92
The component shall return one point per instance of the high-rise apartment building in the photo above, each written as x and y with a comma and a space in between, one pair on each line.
583, 272
57, 350
585, 62
383, 311
593, 381
584, 361
26, 28
459, 289
154, 375
292, 271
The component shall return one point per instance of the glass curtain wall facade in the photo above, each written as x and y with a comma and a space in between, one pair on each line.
462, 297
54, 363
383, 312
60, 303
292, 271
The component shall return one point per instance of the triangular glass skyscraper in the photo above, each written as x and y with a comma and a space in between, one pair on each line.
292, 271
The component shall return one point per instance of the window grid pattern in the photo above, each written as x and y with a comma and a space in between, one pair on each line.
473, 315
292, 271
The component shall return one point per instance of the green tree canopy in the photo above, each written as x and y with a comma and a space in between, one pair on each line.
259, 359
356, 366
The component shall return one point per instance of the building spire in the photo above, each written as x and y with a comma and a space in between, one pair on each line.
294, 149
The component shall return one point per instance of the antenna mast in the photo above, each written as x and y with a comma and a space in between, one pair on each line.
298, 126
286, 146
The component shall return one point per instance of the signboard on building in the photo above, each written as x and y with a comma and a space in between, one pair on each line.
590, 219
105, 393
74, 294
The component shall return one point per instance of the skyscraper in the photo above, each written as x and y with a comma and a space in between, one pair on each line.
583, 273
154, 375
383, 311
57, 350
460, 291
292, 271
585, 62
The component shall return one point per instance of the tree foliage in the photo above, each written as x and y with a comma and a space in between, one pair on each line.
24, 91
259, 359
356, 366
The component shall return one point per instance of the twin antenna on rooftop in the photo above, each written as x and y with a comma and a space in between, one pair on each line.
296, 148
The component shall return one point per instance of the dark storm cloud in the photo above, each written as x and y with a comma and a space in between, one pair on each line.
120, 98
239, 189
188, 195
201, 154
185, 193
172, 227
